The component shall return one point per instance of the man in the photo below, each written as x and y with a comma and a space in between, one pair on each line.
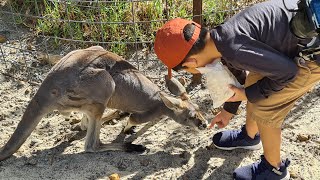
257, 40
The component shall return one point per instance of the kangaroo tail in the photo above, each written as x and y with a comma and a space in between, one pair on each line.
37, 108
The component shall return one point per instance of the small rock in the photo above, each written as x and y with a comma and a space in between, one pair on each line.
27, 91
293, 174
114, 176
303, 137
3, 38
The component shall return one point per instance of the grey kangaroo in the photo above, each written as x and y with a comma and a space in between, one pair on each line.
91, 80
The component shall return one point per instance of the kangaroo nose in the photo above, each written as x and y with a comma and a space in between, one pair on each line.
202, 126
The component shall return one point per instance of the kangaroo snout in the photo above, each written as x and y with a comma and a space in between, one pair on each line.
202, 125
202, 122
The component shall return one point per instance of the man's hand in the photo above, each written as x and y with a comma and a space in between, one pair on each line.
239, 94
222, 119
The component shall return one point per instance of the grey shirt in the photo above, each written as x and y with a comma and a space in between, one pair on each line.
258, 39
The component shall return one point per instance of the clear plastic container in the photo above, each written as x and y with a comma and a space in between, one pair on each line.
218, 77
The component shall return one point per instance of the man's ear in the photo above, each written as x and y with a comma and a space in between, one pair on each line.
190, 63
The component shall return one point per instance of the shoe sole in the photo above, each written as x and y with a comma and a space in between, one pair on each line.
255, 147
285, 178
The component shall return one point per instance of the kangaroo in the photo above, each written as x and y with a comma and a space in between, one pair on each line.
91, 80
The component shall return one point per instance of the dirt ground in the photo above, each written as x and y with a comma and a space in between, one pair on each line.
55, 148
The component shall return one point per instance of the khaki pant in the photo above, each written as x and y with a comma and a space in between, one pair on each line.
274, 109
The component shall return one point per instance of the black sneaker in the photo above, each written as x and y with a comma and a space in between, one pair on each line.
262, 170
235, 139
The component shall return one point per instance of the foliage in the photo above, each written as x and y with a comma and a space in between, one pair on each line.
118, 25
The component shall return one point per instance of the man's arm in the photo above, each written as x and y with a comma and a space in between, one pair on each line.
276, 68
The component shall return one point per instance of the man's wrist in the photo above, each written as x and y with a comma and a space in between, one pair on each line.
227, 114
232, 107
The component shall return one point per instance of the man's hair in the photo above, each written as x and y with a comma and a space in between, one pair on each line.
198, 46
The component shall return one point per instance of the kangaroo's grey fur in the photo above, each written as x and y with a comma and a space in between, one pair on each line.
90, 80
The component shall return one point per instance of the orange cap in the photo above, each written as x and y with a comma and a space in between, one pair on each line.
170, 44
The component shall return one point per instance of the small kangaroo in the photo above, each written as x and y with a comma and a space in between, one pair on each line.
91, 80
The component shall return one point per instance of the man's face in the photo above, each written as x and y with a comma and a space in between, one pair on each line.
201, 59
196, 61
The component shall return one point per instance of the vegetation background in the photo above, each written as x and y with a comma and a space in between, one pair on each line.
122, 26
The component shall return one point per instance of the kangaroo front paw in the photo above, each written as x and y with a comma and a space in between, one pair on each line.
129, 147
130, 130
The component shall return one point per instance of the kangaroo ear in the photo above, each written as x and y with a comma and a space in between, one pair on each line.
172, 103
174, 86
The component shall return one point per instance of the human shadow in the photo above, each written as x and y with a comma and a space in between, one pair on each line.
152, 163
204, 159
206, 162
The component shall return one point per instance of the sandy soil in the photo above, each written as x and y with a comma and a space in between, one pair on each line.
55, 148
